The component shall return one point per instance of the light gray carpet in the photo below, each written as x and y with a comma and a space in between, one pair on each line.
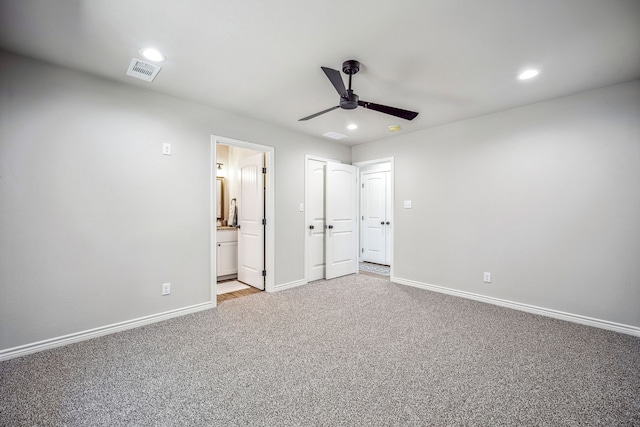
351, 351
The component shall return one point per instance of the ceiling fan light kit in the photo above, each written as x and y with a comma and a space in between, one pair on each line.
349, 100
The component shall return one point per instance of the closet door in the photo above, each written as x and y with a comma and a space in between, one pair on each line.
341, 207
315, 241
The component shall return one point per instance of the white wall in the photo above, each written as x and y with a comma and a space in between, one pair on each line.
545, 197
93, 218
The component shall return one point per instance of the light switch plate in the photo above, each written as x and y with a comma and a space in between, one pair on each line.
166, 149
301, 207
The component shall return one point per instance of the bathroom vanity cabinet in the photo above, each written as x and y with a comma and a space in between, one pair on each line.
227, 253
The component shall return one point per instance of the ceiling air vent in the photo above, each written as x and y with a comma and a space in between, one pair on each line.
143, 70
334, 135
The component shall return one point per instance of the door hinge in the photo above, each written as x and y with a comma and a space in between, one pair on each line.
264, 170
264, 221
362, 251
363, 185
264, 273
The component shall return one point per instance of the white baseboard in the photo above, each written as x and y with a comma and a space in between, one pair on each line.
289, 285
576, 318
23, 350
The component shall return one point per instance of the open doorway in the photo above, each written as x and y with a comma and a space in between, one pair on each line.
242, 218
376, 217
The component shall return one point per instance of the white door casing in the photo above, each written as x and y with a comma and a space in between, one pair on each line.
315, 222
341, 209
388, 219
250, 220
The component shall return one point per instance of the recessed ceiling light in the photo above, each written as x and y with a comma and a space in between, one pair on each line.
352, 126
152, 55
528, 74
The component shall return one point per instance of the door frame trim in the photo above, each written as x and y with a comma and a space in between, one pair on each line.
393, 205
270, 210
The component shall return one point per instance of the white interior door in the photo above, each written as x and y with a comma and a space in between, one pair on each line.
376, 217
374, 213
250, 221
341, 206
315, 219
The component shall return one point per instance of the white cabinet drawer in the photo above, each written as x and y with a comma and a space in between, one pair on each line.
227, 236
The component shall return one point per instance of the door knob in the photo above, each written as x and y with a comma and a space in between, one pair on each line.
311, 227
238, 226
388, 223
381, 222
330, 226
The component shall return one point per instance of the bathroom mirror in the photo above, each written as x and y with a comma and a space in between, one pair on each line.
220, 201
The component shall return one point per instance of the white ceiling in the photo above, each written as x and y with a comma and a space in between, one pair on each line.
447, 59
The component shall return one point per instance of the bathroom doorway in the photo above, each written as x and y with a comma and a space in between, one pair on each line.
242, 206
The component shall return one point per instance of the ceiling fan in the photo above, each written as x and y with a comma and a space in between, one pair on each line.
349, 100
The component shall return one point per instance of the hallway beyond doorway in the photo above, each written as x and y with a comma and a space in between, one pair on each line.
370, 267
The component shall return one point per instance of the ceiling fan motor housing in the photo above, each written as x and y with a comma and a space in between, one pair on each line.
350, 101
350, 67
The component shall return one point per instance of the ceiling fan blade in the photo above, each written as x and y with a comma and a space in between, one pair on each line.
317, 114
336, 80
398, 112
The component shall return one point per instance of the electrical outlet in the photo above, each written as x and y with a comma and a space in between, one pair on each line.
166, 288
487, 277
166, 149
407, 204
